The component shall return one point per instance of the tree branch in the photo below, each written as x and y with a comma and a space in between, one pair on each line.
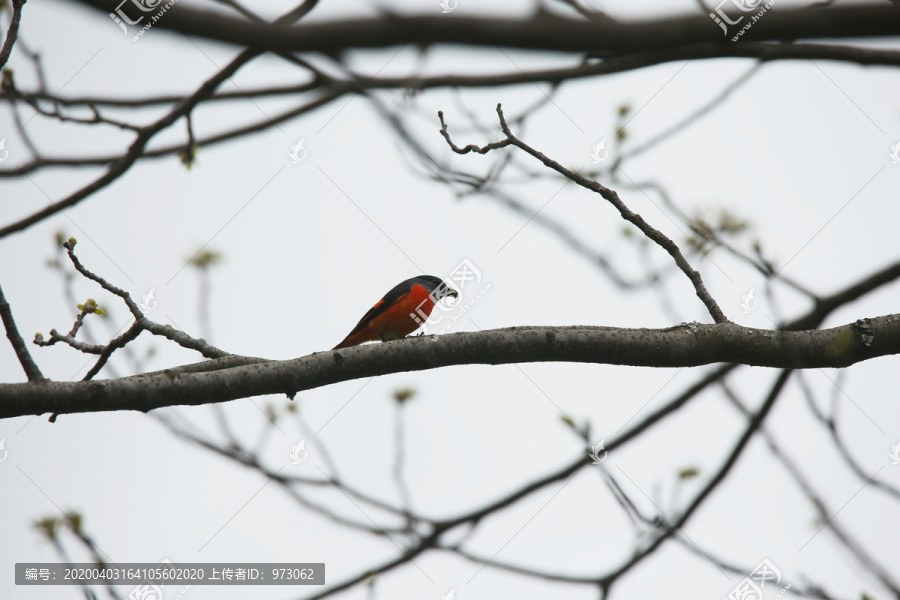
611, 196
540, 31
763, 52
755, 422
32, 371
145, 134
13, 32
140, 324
686, 345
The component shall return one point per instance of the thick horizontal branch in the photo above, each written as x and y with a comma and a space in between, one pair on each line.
686, 345
337, 88
751, 50
541, 31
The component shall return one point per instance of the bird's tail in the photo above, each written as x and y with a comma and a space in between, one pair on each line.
354, 339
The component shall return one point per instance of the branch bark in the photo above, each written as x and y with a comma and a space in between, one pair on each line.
762, 52
13, 32
609, 195
145, 134
32, 371
686, 345
540, 31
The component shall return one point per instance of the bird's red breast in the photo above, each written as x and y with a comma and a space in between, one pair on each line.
392, 318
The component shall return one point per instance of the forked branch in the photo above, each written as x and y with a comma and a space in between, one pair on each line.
610, 195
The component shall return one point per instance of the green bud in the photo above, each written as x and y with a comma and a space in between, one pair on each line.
74, 521
205, 259
188, 155
688, 472
401, 395
6, 80
47, 527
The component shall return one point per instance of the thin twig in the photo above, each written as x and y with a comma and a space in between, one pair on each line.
611, 196
119, 342
13, 32
678, 523
140, 324
121, 164
32, 371
826, 517
828, 422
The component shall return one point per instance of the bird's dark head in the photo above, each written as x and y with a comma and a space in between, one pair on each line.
436, 287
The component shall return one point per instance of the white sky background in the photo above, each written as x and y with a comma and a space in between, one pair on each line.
302, 263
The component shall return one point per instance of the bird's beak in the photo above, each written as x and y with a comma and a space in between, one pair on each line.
442, 292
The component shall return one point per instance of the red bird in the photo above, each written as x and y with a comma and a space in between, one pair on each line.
400, 312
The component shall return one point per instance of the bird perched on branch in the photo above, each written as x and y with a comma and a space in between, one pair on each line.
400, 312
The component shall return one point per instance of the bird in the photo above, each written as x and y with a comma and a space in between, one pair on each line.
400, 312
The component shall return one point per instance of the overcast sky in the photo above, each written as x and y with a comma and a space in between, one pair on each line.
801, 151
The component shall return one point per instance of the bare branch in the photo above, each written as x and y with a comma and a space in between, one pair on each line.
762, 52
119, 342
141, 324
540, 31
707, 108
825, 516
611, 196
32, 371
331, 89
69, 340
145, 134
13, 32
681, 346
755, 422
830, 425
